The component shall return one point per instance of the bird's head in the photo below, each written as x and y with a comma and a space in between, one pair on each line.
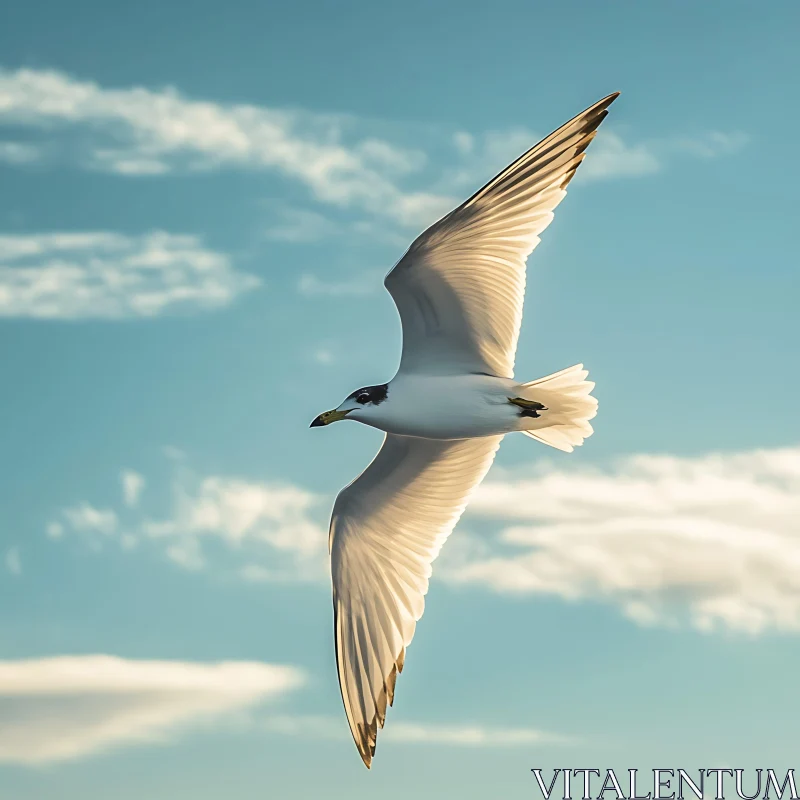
358, 405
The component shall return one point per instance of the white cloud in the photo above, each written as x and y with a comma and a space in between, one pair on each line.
13, 561
360, 285
464, 142
305, 226
316, 727
85, 518
610, 156
55, 530
95, 526
276, 532
324, 355
111, 276
469, 735
18, 153
274, 527
713, 539
138, 131
236, 510
300, 225
395, 160
712, 144
132, 486
67, 707
186, 553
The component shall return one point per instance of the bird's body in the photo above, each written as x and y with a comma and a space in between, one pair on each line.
458, 406
459, 290
446, 406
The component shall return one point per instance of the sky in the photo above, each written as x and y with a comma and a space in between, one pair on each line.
197, 210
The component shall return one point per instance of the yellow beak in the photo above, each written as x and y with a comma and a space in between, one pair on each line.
328, 417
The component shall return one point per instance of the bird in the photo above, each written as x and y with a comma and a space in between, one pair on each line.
459, 291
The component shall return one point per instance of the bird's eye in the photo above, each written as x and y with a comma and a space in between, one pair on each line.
363, 398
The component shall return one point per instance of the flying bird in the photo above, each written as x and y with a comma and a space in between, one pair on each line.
459, 290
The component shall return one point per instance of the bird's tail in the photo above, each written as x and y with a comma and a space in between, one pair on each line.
556, 409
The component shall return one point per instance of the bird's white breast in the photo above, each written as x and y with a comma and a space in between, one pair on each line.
446, 407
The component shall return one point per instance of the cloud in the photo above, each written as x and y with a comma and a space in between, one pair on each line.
18, 153
139, 131
132, 485
610, 156
713, 540
358, 286
187, 554
272, 531
711, 144
306, 226
54, 530
95, 526
85, 518
316, 727
112, 276
67, 707
469, 735
13, 561
274, 527
324, 355
300, 225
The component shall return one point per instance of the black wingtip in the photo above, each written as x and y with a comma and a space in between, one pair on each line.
602, 105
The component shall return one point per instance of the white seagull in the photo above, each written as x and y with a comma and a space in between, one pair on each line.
459, 289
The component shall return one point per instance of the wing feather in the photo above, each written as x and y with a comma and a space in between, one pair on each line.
387, 528
460, 287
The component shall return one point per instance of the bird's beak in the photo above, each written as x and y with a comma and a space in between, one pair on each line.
329, 416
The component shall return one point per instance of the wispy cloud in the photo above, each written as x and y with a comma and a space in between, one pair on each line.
112, 276
71, 707
54, 530
356, 286
610, 156
85, 518
460, 735
18, 153
711, 144
324, 355
186, 553
300, 225
306, 226
712, 541
139, 131
132, 486
470, 735
13, 561
68, 707
276, 532
613, 157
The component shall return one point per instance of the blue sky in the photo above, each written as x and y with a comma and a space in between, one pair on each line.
196, 215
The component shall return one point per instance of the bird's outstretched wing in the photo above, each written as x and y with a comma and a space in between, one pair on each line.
460, 287
387, 527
